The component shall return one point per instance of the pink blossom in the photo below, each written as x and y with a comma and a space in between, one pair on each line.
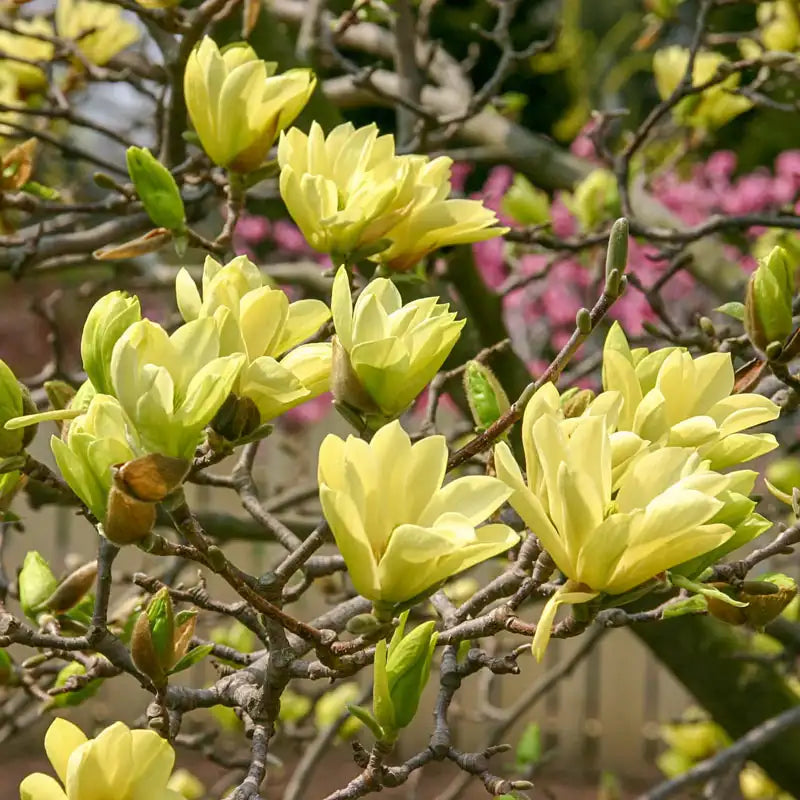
252, 229
309, 413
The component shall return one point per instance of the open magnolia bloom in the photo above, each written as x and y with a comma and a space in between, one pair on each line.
170, 387
606, 535
260, 322
99, 30
671, 398
714, 106
384, 352
400, 531
119, 763
349, 193
237, 105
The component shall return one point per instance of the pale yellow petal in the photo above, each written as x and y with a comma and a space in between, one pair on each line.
40, 787
60, 741
152, 761
477, 497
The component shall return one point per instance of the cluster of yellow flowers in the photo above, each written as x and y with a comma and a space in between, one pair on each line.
348, 192
630, 487
97, 31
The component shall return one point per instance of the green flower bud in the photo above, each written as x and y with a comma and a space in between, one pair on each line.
157, 189
486, 397
36, 584
11, 406
401, 671
107, 320
526, 203
153, 636
617, 253
768, 302
160, 639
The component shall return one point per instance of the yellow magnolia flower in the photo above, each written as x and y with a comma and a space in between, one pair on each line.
711, 108
92, 444
780, 24
400, 531
349, 191
672, 398
111, 32
237, 105
260, 322
12, 44
606, 534
118, 763
386, 352
171, 386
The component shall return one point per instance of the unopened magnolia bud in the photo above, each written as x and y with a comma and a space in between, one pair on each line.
149, 243
72, 589
773, 351
577, 403
157, 189
707, 327
583, 321
152, 477
486, 397
11, 406
143, 652
613, 283
768, 301
36, 583
128, 520
617, 253
237, 418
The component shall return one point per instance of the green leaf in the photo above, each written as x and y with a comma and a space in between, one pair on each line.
364, 716
732, 309
529, 747
689, 605
192, 658
705, 589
